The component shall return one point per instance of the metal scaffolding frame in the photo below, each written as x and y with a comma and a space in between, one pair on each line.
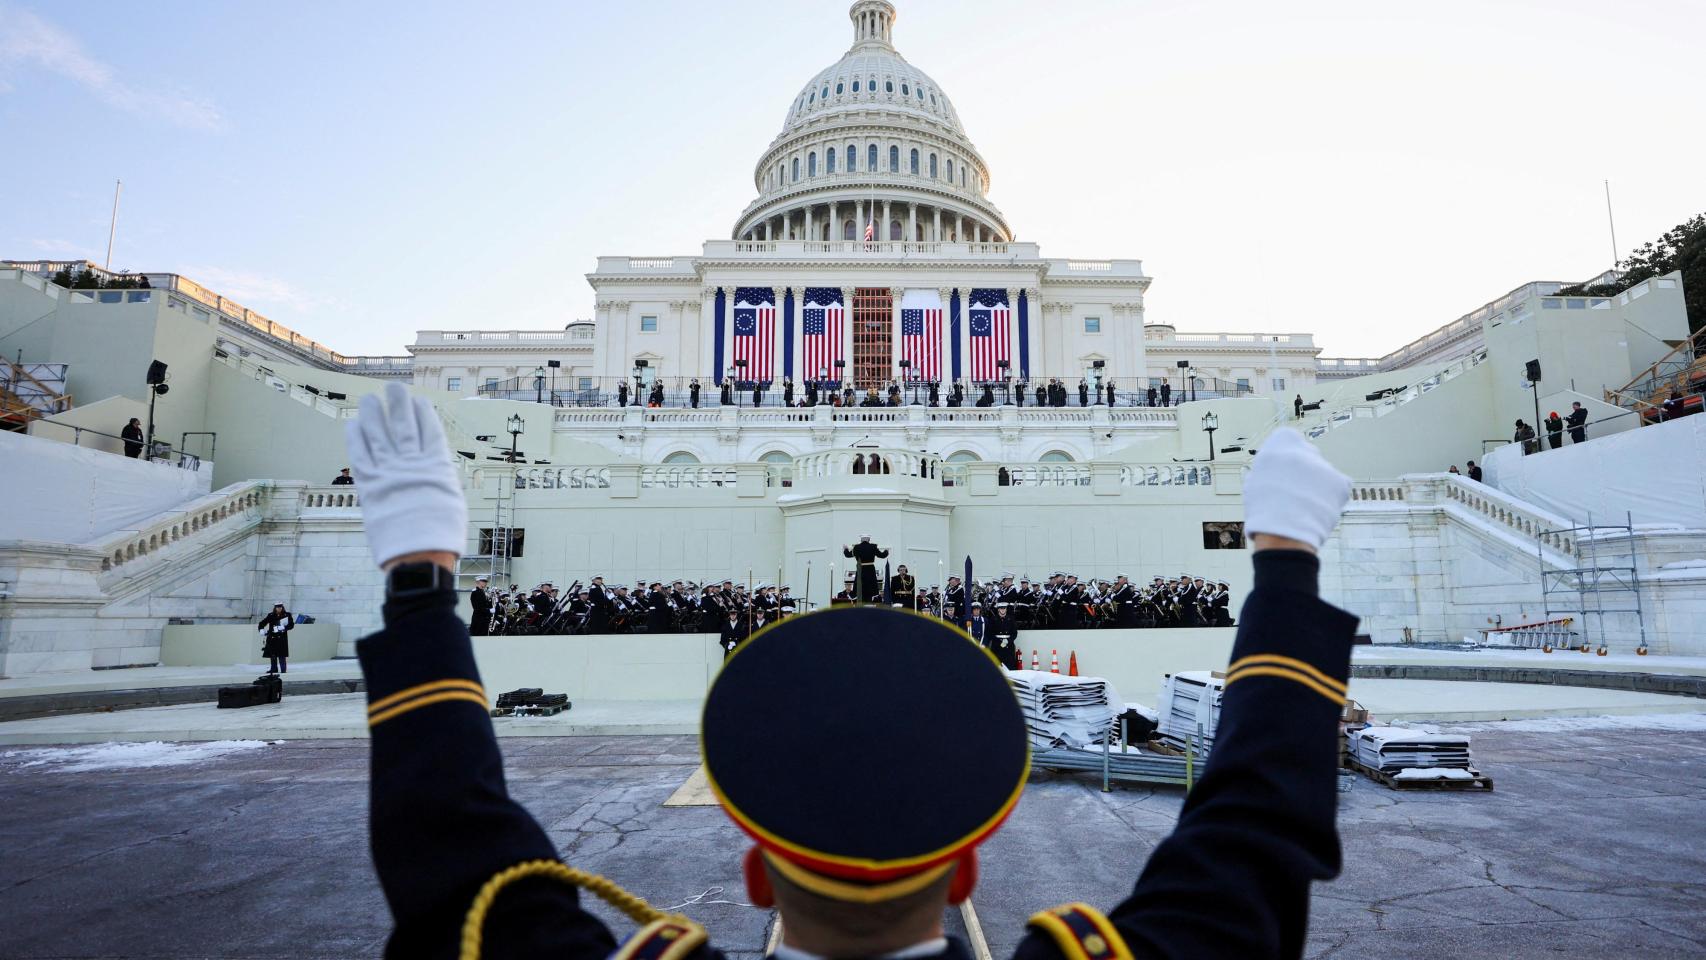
1602, 583
496, 562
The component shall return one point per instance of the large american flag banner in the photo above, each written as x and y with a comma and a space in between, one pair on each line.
991, 341
921, 334
823, 320
755, 334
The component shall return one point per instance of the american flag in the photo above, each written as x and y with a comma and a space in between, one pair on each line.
921, 342
870, 231
990, 340
755, 341
821, 323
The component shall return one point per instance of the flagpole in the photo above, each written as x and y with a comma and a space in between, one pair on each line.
118, 188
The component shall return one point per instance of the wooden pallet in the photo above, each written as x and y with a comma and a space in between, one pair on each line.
1477, 781
539, 711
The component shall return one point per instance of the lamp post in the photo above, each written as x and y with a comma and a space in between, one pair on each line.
906, 377
555, 365
738, 369
515, 425
1210, 423
538, 384
823, 388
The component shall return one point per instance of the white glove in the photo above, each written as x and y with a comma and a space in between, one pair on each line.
411, 496
1292, 491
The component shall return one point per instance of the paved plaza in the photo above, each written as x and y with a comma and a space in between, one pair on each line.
1590, 846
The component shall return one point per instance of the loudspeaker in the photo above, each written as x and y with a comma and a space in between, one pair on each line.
1532, 371
1098, 364
1182, 364
156, 373
642, 363
554, 364
249, 695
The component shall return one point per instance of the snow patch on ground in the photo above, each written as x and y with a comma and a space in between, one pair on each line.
1688, 722
128, 756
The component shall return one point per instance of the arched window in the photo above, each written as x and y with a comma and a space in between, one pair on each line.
811, 164
894, 230
963, 456
796, 169
905, 90
855, 86
852, 157
932, 99
962, 174
776, 456
825, 94
680, 456
1055, 456
871, 158
920, 93
839, 87
950, 169
812, 98
829, 160
894, 160
888, 86
932, 166
915, 161
847, 229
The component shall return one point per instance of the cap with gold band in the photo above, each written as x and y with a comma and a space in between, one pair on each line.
827, 738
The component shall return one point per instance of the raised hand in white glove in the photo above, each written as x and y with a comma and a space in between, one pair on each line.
411, 494
1292, 491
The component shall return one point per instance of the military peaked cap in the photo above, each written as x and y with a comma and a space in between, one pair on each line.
820, 749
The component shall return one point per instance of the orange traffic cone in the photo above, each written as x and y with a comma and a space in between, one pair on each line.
1054, 661
1035, 663
1072, 665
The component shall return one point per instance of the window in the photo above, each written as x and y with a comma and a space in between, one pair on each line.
855, 86
585, 383
915, 161
1223, 536
852, 157
838, 89
905, 90
454, 384
1279, 383
1092, 324
648, 324
950, 169
796, 169
894, 159
829, 160
932, 166
1243, 383
871, 158
932, 99
847, 229
888, 86
963, 456
894, 229
812, 98
1055, 456
681, 456
491, 383
516, 537
962, 174
811, 164
920, 93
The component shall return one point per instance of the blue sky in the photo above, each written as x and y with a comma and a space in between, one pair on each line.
361, 171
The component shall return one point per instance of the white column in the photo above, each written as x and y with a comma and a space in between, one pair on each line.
887, 214
846, 337
936, 223
834, 220
894, 330
810, 234
911, 221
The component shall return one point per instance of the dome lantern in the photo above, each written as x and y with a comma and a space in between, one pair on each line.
873, 22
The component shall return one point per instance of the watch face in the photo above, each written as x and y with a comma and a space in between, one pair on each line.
410, 577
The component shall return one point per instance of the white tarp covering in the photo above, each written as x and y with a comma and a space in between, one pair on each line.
1658, 473
64, 494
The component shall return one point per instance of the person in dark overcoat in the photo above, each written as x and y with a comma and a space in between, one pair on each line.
276, 627
480, 623
867, 554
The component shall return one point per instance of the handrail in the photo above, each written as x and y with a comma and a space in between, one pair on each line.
1694, 344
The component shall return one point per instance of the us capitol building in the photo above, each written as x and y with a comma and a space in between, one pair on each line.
870, 259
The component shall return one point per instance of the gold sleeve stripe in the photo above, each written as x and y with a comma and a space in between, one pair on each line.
426, 701
1303, 678
418, 689
1082, 933
662, 940
1293, 663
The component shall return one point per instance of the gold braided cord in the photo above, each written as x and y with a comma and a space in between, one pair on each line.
636, 909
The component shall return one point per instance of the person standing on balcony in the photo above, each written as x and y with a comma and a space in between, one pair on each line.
728, 397
787, 391
1474, 471
1110, 393
1554, 430
1524, 434
133, 438
622, 393
1084, 394
343, 479
1297, 407
1042, 396
1578, 421
935, 393
693, 393
276, 648
1150, 396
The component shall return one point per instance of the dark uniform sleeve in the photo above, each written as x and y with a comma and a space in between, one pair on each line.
1233, 878
442, 821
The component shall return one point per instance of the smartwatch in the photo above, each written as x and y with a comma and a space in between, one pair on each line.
421, 578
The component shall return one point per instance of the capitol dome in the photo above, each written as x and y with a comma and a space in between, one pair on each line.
872, 128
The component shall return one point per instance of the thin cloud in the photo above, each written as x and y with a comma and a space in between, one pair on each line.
258, 291
27, 40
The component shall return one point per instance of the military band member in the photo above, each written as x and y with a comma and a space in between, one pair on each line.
977, 626
866, 554
1004, 636
480, 622
860, 857
275, 628
849, 592
733, 634
903, 589
953, 599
